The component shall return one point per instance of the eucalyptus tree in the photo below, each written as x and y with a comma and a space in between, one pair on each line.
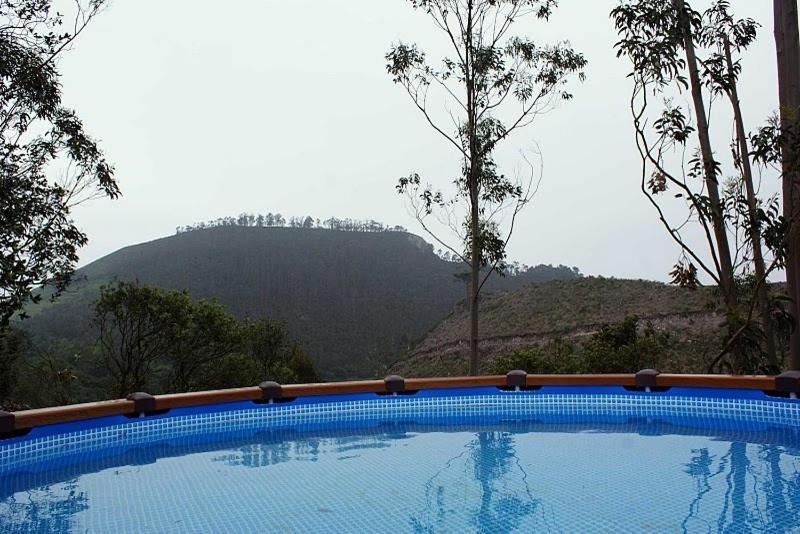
725, 36
48, 163
787, 46
491, 84
674, 50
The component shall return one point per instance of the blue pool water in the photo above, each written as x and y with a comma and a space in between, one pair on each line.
554, 460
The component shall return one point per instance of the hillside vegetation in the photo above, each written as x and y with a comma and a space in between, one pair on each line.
355, 300
534, 315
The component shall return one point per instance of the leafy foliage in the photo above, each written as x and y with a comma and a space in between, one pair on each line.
207, 334
196, 344
138, 325
13, 345
489, 66
555, 357
673, 48
490, 74
38, 239
277, 357
621, 347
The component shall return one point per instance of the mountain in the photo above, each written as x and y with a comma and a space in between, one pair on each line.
356, 300
573, 309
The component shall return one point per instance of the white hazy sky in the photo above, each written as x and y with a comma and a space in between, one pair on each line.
210, 109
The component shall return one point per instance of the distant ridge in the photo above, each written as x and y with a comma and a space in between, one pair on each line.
356, 300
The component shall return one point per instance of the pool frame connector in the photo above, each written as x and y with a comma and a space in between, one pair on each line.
8, 423
788, 382
270, 391
647, 378
517, 379
143, 403
394, 384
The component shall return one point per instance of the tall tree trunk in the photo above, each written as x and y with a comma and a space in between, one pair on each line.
754, 227
473, 183
787, 48
474, 287
725, 265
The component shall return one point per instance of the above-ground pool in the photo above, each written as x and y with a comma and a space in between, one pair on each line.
480, 459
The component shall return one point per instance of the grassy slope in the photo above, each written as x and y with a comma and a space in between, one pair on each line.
570, 308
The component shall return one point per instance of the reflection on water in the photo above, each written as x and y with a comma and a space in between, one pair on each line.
500, 511
760, 487
491, 458
500, 477
45, 509
272, 449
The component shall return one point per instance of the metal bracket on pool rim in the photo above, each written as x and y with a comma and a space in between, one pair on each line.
517, 379
8, 426
646, 378
143, 403
270, 391
8, 423
394, 384
788, 382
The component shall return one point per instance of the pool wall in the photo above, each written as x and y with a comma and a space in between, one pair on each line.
786, 384
711, 401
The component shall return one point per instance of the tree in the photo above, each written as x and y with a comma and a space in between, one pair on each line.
673, 49
300, 366
621, 348
151, 337
787, 47
55, 377
493, 85
13, 344
276, 356
138, 325
724, 36
207, 337
267, 343
39, 136
557, 356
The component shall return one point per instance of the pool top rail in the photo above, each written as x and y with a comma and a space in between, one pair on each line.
141, 403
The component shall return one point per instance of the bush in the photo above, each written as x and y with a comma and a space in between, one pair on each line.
13, 343
233, 371
614, 348
555, 357
618, 348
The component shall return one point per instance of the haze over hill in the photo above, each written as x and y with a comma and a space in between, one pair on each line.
356, 300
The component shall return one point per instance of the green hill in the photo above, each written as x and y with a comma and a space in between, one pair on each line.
356, 300
572, 309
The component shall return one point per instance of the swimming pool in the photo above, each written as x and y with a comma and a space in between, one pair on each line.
563, 458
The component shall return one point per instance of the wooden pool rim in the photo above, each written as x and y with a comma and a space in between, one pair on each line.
786, 384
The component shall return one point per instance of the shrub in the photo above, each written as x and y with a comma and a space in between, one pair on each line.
619, 348
555, 357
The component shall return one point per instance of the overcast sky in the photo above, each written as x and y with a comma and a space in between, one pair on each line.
210, 109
